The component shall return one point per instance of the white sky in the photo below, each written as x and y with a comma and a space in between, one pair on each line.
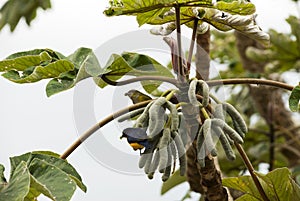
31, 121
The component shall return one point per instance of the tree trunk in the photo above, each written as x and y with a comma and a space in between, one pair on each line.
206, 180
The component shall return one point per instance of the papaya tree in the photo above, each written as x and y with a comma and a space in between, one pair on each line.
186, 124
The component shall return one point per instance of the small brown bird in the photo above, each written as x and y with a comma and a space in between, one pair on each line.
137, 96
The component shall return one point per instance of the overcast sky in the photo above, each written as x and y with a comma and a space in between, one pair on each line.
31, 121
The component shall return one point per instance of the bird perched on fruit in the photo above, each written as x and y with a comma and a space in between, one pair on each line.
137, 138
137, 96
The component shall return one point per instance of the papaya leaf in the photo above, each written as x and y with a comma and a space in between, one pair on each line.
151, 86
55, 55
35, 74
13, 10
51, 158
18, 186
86, 65
56, 85
172, 182
33, 66
86, 57
243, 24
243, 183
162, 13
241, 7
48, 175
60, 188
294, 100
280, 180
277, 184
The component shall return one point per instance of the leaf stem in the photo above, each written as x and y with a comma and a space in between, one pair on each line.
181, 71
191, 49
205, 114
138, 79
251, 171
210, 82
99, 125
250, 81
170, 95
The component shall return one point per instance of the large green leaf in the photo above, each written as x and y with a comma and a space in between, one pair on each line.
34, 74
281, 184
241, 7
86, 65
243, 24
18, 186
43, 174
160, 12
133, 64
66, 72
13, 10
48, 175
172, 182
294, 100
277, 184
216, 18
33, 66
52, 159
244, 184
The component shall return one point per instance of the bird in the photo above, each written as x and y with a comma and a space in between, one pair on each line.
137, 138
137, 96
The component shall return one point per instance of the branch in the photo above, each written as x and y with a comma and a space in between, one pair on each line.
100, 124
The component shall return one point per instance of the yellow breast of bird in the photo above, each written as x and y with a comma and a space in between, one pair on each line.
136, 146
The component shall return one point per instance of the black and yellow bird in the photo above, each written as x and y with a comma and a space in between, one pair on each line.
137, 138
